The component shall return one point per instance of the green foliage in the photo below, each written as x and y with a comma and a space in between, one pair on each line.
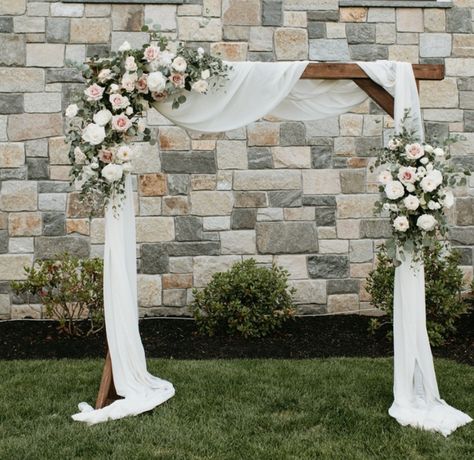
248, 300
69, 288
444, 282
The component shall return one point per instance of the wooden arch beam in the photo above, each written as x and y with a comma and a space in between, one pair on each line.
316, 71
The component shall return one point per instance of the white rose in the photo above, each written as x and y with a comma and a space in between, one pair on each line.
448, 199
200, 51
431, 181
94, 164
129, 110
439, 152
141, 125
433, 205
421, 172
436, 175
401, 224
102, 117
128, 81
125, 46
200, 86
130, 64
205, 74
93, 134
394, 190
411, 202
429, 167
428, 148
414, 151
127, 167
71, 110
426, 222
386, 206
113, 88
393, 144
156, 82
423, 161
385, 177
112, 172
393, 208
166, 58
104, 75
179, 64
410, 188
125, 153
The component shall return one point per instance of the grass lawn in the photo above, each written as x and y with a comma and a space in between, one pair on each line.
241, 409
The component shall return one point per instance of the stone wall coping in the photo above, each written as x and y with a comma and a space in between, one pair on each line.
398, 3
157, 2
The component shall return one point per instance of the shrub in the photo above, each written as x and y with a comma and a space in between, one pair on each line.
69, 288
248, 300
444, 282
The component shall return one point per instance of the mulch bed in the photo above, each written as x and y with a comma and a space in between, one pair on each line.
304, 337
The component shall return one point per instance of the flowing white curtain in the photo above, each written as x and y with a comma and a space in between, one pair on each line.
253, 91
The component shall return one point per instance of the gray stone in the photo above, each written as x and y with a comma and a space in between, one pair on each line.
198, 248
174, 297
48, 247
13, 174
319, 200
466, 84
325, 216
458, 20
360, 33
462, 235
285, 199
243, 218
154, 259
466, 99
469, 120
435, 45
292, 133
329, 50
178, 184
68, 75
365, 146
11, 103
100, 51
375, 228
465, 211
188, 228
339, 162
348, 286
57, 30
250, 200
37, 168
328, 266
53, 187
54, 224
368, 52
3, 241
259, 158
436, 131
466, 255
353, 181
6, 24
260, 56
316, 29
13, 49
272, 12
188, 163
321, 156
323, 16
286, 237
465, 161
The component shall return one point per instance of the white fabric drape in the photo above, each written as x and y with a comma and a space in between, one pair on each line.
253, 91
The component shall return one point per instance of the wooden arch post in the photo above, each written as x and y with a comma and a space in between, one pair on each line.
315, 71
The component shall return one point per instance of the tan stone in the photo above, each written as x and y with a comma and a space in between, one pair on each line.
344, 146
333, 246
149, 290
174, 138
204, 144
24, 223
232, 154
321, 181
205, 266
294, 264
97, 231
80, 226
90, 30
460, 67
463, 45
309, 291
31, 80
358, 205
12, 7
26, 311
155, 229
282, 179
351, 124
407, 53
12, 266
238, 242
291, 44
98, 11
348, 228
58, 151
241, 12
59, 173
203, 182
128, 17
291, 157
75, 207
342, 303
438, 94
230, 51
263, 133
305, 213
353, 14
45, 55
199, 29
177, 281
295, 19
409, 19
435, 20
361, 270
12, 155
212, 8
175, 205
152, 184
34, 126
18, 196
204, 203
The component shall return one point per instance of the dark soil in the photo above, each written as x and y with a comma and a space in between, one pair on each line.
303, 337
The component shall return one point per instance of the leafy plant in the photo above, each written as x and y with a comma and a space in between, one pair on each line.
248, 300
443, 282
69, 288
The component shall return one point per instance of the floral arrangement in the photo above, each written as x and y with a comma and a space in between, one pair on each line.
416, 182
110, 114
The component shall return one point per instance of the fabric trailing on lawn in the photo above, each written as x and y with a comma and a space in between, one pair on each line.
255, 90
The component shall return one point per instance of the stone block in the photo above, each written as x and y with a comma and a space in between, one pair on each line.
238, 242
130, 17
341, 303
181, 265
269, 214
6, 24
174, 297
174, 138
272, 14
57, 30
328, 266
321, 156
356, 206
267, 180
409, 19
42, 102
34, 126
328, 50
263, 133
238, 12
291, 157
12, 266
291, 44
361, 251
90, 30
211, 203
21, 245
333, 246
353, 14
216, 223
155, 229
52, 202
177, 281
285, 198
309, 291
31, 80
243, 218
435, 45
188, 162
385, 34
353, 181
196, 29
299, 214
13, 7
439, 93
292, 133
74, 10
54, 224
325, 216
205, 266
79, 226
188, 228
44, 55
194, 248
250, 199
38, 169
360, 33
149, 290
369, 52
459, 20
259, 158
348, 228
48, 247
236, 51
315, 130
294, 264
261, 39
154, 259
286, 237
375, 228
316, 29
178, 184
175, 205
18, 196
231, 154
465, 211
12, 155
13, 49
435, 20
321, 182
342, 286
152, 184
463, 45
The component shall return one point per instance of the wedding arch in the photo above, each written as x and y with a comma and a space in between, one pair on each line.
291, 91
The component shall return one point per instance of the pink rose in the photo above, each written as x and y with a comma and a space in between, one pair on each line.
159, 96
177, 79
106, 156
128, 81
94, 92
121, 123
151, 53
141, 84
118, 101
414, 151
104, 75
407, 175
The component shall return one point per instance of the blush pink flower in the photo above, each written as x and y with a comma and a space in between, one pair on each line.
94, 92
407, 175
106, 156
141, 84
159, 96
151, 53
177, 79
121, 123
414, 151
118, 101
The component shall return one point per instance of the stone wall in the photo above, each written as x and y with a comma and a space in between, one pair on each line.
298, 194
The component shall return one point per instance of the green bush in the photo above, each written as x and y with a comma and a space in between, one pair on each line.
246, 300
444, 282
69, 288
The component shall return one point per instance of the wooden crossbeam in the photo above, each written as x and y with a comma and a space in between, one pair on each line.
315, 71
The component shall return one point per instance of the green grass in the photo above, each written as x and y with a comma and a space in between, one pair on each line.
242, 409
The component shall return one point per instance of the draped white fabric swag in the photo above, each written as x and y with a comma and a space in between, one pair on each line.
253, 91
